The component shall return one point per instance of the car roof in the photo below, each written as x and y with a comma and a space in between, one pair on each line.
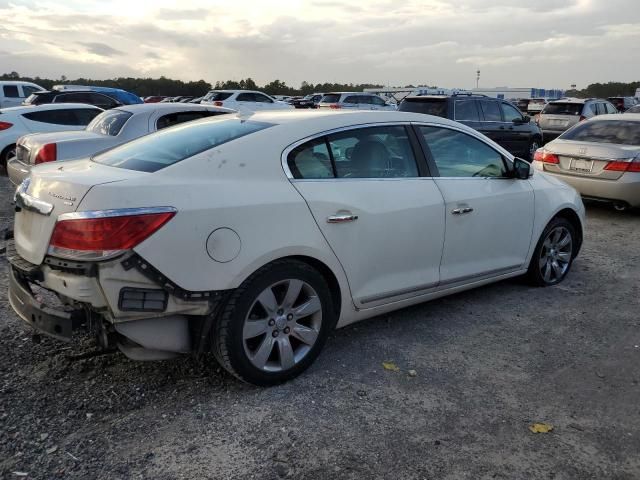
150, 107
350, 93
47, 106
17, 82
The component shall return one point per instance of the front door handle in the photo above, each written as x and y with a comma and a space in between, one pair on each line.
342, 218
461, 210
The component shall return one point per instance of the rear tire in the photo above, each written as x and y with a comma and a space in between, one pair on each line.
275, 324
554, 254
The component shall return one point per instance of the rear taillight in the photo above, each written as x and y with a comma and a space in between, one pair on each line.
335, 105
99, 235
47, 153
217, 103
5, 125
619, 166
543, 156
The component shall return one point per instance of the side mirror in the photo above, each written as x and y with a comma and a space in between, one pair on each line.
521, 169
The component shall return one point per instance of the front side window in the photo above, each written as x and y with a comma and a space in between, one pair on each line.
621, 132
109, 122
10, 91
353, 99
491, 111
466, 110
378, 101
166, 147
457, 154
511, 113
311, 160
217, 96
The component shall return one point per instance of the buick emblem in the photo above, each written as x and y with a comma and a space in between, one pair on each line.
582, 150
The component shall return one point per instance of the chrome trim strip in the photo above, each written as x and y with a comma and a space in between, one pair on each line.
428, 288
120, 212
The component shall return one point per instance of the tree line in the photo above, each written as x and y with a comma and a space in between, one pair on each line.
166, 86
604, 90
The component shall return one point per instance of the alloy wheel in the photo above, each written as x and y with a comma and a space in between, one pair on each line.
555, 255
282, 325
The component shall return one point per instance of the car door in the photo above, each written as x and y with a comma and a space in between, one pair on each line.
518, 131
489, 215
492, 125
466, 111
383, 220
354, 102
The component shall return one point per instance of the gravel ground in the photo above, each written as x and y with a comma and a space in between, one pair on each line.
489, 363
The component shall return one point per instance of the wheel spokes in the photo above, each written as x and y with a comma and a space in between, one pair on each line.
268, 301
293, 292
263, 352
309, 307
304, 334
254, 328
285, 350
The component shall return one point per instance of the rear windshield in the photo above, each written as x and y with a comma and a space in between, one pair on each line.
109, 122
172, 145
217, 96
563, 108
331, 98
432, 106
621, 132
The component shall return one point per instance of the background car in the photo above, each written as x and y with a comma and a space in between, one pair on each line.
600, 158
18, 121
13, 93
623, 103
355, 101
162, 239
308, 101
101, 97
635, 109
535, 105
498, 119
109, 129
560, 115
245, 100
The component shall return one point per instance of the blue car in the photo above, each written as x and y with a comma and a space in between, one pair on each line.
103, 97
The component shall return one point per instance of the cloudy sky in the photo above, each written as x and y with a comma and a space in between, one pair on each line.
542, 43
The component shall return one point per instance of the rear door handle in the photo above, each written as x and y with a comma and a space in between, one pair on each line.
342, 218
461, 210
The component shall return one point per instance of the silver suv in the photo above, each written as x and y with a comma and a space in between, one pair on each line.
355, 101
560, 115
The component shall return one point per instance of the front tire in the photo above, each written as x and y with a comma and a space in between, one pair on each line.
554, 254
275, 324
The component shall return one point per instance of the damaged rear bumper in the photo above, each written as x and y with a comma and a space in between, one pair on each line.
55, 323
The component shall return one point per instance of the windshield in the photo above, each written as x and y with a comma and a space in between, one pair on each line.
563, 108
166, 147
109, 122
621, 132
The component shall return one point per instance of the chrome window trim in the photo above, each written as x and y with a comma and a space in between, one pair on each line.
120, 212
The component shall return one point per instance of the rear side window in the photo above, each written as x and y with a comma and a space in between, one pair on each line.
246, 97
258, 97
10, 91
491, 111
109, 122
435, 106
331, 98
466, 110
84, 116
60, 117
457, 154
621, 132
558, 108
180, 117
166, 147
217, 96
372, 152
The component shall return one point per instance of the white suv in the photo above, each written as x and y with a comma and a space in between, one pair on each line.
355, 101
243, 100
13, 93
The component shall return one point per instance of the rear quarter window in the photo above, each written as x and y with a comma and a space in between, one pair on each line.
217, 96
167, 147
434, 106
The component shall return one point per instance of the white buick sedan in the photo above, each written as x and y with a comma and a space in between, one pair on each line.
255, 236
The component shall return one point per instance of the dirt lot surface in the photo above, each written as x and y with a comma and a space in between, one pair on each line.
489, 363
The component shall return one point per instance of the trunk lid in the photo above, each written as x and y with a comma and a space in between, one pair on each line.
61, 186
587, 159
70, 145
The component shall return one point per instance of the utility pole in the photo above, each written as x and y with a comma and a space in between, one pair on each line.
477, 77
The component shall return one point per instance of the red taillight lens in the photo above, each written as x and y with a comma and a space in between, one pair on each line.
335, 105
617, 166
101, 237
217, 103
47, 153
546, 157
5, 125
